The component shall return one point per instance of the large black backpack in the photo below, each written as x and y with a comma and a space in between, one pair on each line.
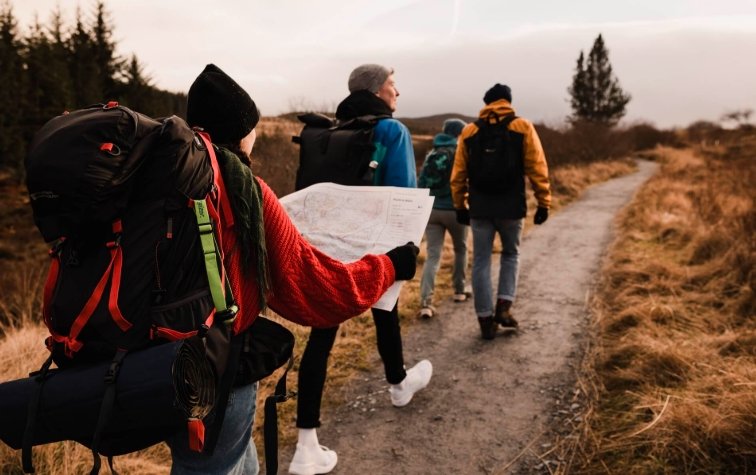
114, 191
129, 204
132, 207
495, 156
336, 151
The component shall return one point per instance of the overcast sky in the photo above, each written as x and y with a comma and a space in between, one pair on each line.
681, 60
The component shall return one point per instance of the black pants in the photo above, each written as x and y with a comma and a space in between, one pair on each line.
314, 364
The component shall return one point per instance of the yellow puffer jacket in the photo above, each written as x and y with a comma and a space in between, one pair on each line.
534, 161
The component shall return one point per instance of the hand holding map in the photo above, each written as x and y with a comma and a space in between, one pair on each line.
347, 222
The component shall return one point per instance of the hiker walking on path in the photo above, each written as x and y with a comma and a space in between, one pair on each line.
269, 264
496, 153
372, 92
434, 175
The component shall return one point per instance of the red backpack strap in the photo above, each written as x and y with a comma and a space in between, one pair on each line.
112, 274
196, 430
223, 202
52, 279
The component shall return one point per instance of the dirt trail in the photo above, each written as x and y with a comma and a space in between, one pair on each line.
489, 403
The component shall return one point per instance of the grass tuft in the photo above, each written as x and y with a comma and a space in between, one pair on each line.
672, 373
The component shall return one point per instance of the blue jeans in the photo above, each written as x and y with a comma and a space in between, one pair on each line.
235, 452
484, 231
442, 220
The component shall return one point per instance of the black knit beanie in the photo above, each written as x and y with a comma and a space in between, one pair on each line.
220, 106
499, 91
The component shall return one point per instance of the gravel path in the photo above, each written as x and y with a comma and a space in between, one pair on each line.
490, 404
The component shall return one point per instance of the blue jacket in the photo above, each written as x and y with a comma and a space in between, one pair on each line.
394, 154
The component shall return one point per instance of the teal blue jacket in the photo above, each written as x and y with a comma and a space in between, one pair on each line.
394, 154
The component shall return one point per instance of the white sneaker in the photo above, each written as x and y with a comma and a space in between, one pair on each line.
311, 460
463, 297
427, 312
417, 378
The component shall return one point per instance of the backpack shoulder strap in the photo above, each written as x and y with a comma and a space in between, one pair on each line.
220, 288
368, 120
495, 119
374, 117
508, 119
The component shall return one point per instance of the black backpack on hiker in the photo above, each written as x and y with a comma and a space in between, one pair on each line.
338, 152
495, 156
114, 191
436, 171
132, 206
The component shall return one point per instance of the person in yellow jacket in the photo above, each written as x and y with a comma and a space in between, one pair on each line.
494, 156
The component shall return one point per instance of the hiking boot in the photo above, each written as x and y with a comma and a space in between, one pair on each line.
487, 328
417, 378
427, 312
503, 315
312, 459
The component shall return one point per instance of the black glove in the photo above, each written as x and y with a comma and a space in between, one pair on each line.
404, 259
541, 215
463, 216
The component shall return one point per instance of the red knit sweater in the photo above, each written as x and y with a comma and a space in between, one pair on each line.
307, 286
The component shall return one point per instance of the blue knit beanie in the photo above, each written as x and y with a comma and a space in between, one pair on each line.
454, 127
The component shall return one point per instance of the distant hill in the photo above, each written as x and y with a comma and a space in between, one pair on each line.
429, 125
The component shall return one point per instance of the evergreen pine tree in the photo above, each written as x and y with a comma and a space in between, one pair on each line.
596, 95
48, 91
59, 70
137, 88
85, 75
56, 68
108, 66
12, 146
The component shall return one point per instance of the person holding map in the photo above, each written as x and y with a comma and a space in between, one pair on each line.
373, 92
269, 264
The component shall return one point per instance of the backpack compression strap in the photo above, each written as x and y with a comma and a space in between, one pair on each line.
216, 276
270, 426
112, 274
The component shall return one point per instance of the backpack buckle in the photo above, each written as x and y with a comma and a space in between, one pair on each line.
56, 248
116, 242
228, 315
110, 376
115, 366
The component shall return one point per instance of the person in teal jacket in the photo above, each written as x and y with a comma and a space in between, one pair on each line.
434, 175
372, 92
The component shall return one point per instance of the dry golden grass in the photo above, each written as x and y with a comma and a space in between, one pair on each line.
21, 334
672, 374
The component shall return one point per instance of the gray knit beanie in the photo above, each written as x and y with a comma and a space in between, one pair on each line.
369, 77
454, 127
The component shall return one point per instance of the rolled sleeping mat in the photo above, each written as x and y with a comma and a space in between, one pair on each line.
157, 389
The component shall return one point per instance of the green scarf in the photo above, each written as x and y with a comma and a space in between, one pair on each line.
245, 196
